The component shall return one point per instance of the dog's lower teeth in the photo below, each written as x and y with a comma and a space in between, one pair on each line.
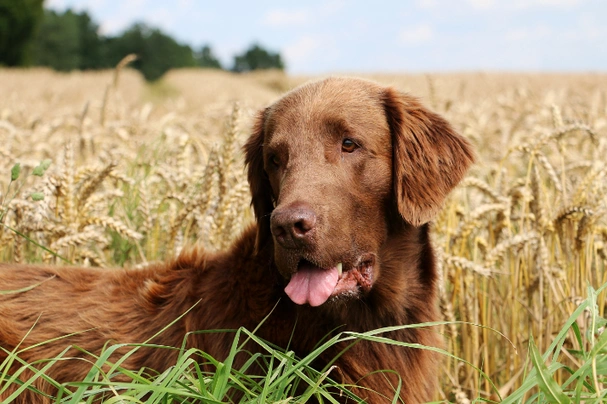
340, 268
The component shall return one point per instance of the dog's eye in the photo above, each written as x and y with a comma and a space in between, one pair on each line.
348, 145
275, 160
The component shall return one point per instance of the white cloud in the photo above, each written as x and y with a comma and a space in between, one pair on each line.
588, 27
311, 50
286, 17
520, 4
163, 18
526, 4
91, 6
426, 4
185, 4
540, 31
55, 4
301, 49
114, 26
289, 18
332, 7
125, 15
566, 3
416, 34
482, 4
555, 3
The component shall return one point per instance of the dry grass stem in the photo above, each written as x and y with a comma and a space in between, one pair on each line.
140, 171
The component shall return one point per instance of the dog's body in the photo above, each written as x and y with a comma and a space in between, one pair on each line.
345, 175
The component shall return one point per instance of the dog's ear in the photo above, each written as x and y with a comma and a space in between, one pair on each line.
429, 157
261, 191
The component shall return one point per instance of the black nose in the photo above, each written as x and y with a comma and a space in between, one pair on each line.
293, 225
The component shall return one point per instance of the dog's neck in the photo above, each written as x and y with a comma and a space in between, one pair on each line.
253, 288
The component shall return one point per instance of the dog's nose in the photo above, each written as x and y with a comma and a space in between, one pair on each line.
293, 225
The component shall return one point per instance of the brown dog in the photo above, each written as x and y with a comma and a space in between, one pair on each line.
344, 176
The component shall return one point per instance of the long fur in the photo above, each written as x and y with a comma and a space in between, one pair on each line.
413, 159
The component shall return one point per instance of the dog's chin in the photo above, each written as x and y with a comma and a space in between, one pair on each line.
357, 279
317, 283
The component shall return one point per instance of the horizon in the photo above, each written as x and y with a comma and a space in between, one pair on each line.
417, 36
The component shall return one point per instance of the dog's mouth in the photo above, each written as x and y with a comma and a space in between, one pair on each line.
315, 285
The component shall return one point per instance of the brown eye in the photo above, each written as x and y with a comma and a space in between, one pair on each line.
274, 160
348, 146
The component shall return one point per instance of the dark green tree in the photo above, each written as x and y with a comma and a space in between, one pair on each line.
18, 22
206, 59
57, 43
91, 44
68, 41
131, 41
156, 51
256, 58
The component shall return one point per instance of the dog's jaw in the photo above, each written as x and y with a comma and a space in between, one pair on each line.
314, 285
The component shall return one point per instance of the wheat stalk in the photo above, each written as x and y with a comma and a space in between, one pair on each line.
65, 184
93, 184
465, 264
473, 182
114, 84
515, 243
111, 223
473, 220
73, 240
543, 160
557, 118
512, 267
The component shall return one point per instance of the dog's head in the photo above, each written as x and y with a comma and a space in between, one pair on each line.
327, 164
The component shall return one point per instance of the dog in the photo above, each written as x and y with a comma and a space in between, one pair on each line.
345, 176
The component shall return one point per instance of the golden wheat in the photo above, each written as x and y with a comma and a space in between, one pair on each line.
139, 171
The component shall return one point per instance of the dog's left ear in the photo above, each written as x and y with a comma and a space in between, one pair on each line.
429, 157
261, 190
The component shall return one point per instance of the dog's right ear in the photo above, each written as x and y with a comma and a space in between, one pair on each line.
261, 190
429, 157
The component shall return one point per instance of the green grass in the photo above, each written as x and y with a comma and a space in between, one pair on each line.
588, 375
289, 379
285, 377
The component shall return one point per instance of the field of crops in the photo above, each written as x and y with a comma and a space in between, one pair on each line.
115, 172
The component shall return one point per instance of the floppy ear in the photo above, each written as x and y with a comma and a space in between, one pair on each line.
261, 191
429, 157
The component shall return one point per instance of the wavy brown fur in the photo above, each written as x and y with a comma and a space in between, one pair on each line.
410, 160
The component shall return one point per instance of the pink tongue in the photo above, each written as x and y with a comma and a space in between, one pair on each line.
312, 285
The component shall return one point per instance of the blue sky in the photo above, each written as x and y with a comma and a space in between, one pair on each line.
386, 36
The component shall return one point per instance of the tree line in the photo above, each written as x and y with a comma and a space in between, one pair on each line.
65, 41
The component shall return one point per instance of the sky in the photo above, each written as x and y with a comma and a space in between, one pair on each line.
331, 36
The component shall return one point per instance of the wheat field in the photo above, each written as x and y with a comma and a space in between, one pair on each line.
101, 169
